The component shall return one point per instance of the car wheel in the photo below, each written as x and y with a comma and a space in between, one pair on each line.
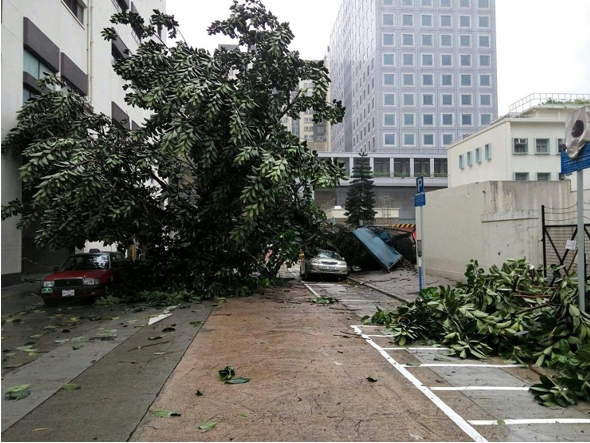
50, 302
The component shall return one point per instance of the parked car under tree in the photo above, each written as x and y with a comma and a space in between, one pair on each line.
89, 275
324, 263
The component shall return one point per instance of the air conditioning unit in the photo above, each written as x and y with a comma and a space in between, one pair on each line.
577, 130
520, 141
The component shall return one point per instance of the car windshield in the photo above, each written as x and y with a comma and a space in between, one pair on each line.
86, 262
329, 254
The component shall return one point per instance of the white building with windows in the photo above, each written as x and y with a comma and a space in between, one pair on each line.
522, 145
58, 36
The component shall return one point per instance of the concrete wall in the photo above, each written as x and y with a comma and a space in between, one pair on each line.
490, 222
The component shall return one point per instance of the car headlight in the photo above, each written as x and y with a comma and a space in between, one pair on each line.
315, 261
48, 284
91, 281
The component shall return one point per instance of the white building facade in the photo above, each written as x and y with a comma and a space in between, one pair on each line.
58, 36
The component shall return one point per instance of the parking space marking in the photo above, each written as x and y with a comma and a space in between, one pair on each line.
448, 411
479, 388
461, 365
416, 349
531, 421
312, 291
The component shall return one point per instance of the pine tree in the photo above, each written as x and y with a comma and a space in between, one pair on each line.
360, 199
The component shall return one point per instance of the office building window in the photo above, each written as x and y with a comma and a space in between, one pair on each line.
428, 119
440, 167
76, 8
381, 167
389, 139
446, 21
465, 59
483, 4
520, 145
427, 40
409, 139
484, 41
388, 79
542, 146
446, 60
488, 151
388, 39
427, 3
408, 99
446, 80
409, 120
447, 99
428, 139
446, 40
543, 176
408, 39
484, 119
388, 59
484, 60
521, 176
389, 99
408, 59
408, 79
387, 2
461, 165
464, 4
447, 119
469, 159
426, 20
401, 167
465, 41
407, 20
427, 60
447, 139
464, 21
27, 95
560, 146
407, 2
466, 119
35, 67
388, 119
465, 79
466, 100
477, 155
445, 3
485, 80
485, 99
483, 21
428, 99
427, 80
387, 19
421, 167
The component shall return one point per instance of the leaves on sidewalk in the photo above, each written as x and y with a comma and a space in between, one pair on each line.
18, 392
226, 373
238, 381
70, 386
208, 425
165, 414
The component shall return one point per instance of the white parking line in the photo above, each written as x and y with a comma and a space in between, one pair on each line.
449, 412
416, 349
461, 365
479, 388
313, 292
531, 421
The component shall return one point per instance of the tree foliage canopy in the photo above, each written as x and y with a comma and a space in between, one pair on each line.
360, 199
210, 178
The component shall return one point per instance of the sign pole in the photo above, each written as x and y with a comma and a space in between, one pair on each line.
581, 245
420, 201
422, 265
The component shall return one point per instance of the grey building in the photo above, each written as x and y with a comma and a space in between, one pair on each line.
414, 75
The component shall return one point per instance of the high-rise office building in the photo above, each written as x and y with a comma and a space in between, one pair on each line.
414, 75
59, 36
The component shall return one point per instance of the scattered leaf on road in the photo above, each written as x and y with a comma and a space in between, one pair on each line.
77, 346
36, 336
168, 329
157, 337
226, 373
196, 323
165, 414
51, 327
207, 425
18, 392
70, 386
371, 379
238, 381
198, 393
40, 429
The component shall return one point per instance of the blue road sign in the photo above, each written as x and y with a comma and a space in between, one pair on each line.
420, 199
582, 161
419, 185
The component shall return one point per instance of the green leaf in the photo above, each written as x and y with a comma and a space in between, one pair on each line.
371, 379
70, 386
168, 329
226, 373
165, 414
17, 392
238, 380
207, 425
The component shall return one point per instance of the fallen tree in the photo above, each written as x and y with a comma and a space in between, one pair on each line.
511, 312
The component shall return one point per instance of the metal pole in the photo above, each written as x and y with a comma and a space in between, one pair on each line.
581, 238
422, 241
419, 253
544, 240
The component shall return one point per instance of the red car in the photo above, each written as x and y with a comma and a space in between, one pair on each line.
82, 276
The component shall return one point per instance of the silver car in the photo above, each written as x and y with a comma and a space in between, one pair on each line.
324, 263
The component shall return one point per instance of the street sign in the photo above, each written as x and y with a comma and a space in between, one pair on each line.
419, 185
420, 199
582, 161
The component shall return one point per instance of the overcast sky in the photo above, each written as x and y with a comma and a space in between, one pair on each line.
542, 45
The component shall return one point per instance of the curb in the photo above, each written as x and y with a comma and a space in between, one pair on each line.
397, 297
